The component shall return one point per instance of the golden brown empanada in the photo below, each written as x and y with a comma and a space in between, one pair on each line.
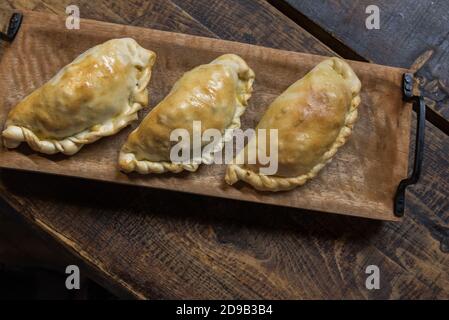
215, 94
96, 95
314, 117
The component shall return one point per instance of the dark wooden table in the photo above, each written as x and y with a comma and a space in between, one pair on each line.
156, 244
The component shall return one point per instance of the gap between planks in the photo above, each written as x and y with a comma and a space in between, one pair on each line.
342, 50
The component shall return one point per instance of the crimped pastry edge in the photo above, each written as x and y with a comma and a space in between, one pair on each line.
129, 163
260, 182
14, 135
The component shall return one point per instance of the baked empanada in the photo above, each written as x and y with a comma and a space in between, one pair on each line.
314, 117
96, 95
215, 94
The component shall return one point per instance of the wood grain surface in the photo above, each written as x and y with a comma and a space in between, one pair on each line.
20, 246
159, 244
413, 34
361, 180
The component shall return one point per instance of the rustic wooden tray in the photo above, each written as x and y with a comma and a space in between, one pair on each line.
360, 181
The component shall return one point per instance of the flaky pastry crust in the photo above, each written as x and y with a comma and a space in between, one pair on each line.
215, 94
314, 118
96, 95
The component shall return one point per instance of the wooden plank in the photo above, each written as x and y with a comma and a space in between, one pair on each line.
20, 246
159, 244
361, 180
412, 34
32, 265
234, 25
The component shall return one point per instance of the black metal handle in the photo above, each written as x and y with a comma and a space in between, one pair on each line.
13, 27
420, 106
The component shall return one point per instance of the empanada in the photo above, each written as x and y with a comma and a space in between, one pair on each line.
96, 95
215, 94
314, 117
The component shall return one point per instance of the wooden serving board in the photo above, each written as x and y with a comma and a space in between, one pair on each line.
360, 181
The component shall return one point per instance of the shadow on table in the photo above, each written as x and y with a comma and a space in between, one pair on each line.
227, 215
